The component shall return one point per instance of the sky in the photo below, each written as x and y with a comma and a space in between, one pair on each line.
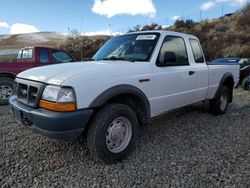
92, 17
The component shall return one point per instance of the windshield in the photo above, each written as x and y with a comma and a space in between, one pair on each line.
133, 47
61, 57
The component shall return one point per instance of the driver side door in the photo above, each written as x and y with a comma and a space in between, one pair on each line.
174, 79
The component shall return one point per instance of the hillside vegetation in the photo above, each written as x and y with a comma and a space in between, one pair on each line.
228, 36
83, 47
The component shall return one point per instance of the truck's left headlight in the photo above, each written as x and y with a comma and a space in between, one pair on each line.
60, 99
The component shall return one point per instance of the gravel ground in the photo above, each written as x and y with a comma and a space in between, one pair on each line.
184, 148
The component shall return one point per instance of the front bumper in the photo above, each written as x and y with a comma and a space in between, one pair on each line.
57, 125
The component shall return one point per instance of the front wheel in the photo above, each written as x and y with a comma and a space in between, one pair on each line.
219, 104
6, 90
112, 133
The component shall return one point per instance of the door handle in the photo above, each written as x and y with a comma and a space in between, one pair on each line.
191, 73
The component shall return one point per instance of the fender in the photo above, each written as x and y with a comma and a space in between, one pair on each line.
118, 90
8, 74
226, 76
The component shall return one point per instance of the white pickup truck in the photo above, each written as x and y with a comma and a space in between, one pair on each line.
131, 79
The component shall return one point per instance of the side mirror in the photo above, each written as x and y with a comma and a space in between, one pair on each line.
169, 57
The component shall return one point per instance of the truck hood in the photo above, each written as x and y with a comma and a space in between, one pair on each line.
57, 74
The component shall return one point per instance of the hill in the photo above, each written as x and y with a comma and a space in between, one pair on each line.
82, 47
50, 39
228, 36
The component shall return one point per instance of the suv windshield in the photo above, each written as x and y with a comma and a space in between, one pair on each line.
132, 47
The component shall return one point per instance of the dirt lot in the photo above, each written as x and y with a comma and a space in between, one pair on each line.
185, 148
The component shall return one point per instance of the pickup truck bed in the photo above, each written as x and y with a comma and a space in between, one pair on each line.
244, 67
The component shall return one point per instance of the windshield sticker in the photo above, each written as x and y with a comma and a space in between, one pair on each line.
146, 37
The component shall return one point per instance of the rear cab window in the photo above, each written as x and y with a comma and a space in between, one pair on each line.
197, 52
25, 54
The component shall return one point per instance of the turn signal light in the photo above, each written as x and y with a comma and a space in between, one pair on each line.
57, 107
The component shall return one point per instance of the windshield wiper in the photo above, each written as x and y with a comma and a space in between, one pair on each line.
117, 59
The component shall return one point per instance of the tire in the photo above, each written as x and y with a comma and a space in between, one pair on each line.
6, 90
244, 84
112, 133
219, 104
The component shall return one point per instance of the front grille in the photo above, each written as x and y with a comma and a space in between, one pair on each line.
28, 92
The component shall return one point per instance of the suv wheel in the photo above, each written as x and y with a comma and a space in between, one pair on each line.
112, 133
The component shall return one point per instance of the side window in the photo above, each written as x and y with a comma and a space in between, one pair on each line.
44, 56
19, 55
196, 48
61, 57
26, 54
173, 52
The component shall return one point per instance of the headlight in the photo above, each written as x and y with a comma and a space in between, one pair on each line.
58, 94
50, 93
56, 98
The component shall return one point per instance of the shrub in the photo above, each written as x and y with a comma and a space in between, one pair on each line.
83, 47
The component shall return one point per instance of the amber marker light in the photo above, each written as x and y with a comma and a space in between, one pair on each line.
57, 107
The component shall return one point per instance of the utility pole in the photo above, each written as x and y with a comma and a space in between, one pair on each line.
81, 41
222, 9
81, 25
182, 16
110, 32
200, 15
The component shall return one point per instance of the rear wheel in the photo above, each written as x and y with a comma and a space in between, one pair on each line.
219, 104
112, 133
244, 83
6, 89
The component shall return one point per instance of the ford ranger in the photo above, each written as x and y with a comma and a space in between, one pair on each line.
27, 58
131, 79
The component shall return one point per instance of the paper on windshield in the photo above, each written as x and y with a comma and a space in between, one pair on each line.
146, 37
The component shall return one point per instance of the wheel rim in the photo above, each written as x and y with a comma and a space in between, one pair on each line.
5, 92
223, 100
118, 134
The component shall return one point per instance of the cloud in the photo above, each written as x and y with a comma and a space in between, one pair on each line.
238, 2
102, 32
19, 28
207, 5
210, 4
112, 8
174, 18
4, 25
